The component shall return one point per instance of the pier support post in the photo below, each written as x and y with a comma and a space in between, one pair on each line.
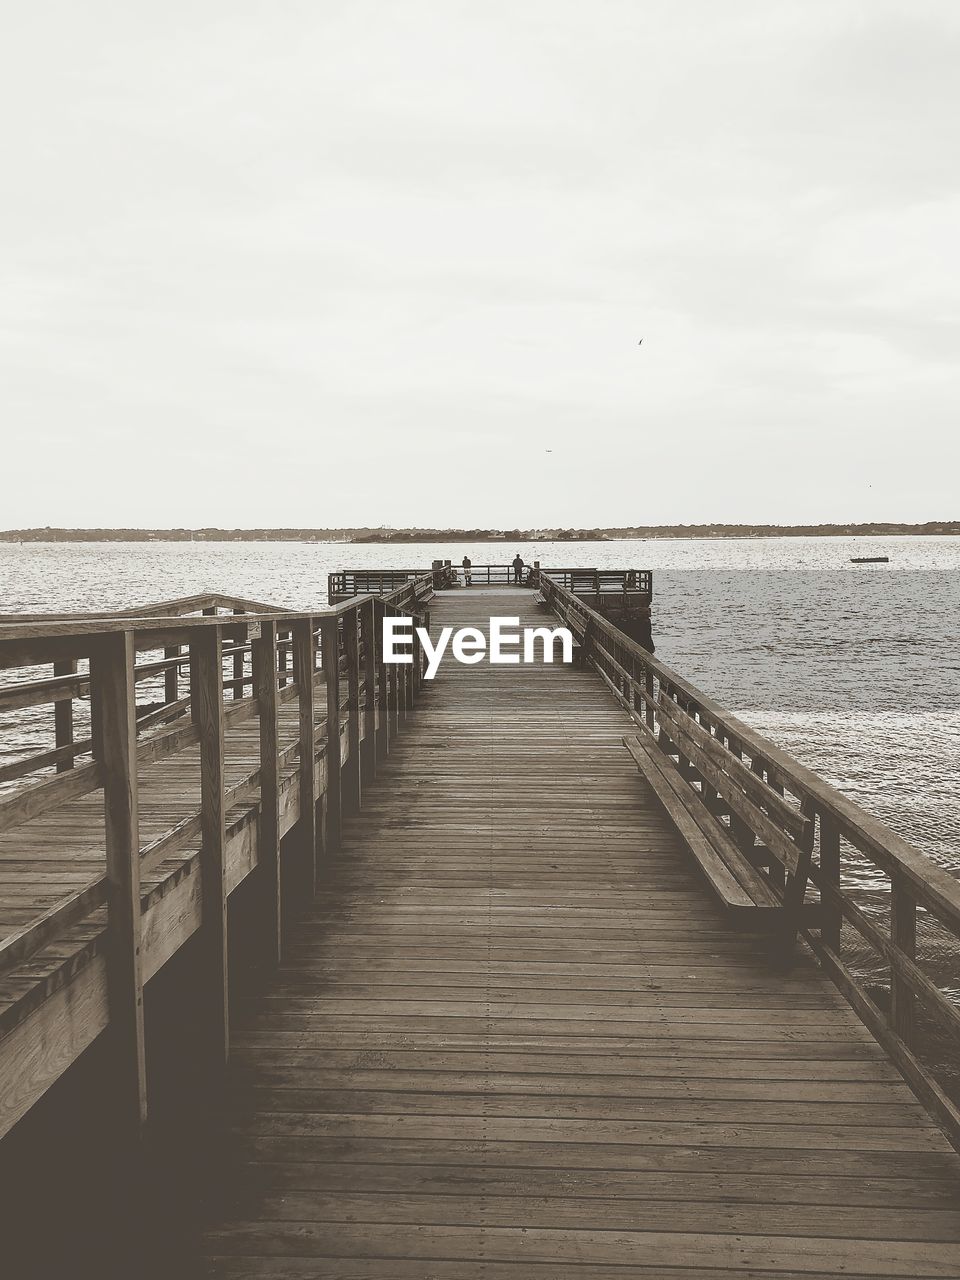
304, 670
63, 715
330, 650
368, 633
113, 697
206, 700
352, 772
265, 689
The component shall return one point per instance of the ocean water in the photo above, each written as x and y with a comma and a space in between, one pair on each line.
855, 670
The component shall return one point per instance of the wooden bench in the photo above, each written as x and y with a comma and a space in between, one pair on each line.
762, 886
540, 600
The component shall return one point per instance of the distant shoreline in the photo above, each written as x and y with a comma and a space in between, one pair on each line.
395, 537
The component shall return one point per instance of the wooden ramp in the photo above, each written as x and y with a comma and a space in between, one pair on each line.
515, 1039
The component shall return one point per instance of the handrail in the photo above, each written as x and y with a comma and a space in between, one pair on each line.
917, 883
345, 582
28, 641
159, 608
152, 625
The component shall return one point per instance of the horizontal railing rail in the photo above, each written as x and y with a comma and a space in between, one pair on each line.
920, 892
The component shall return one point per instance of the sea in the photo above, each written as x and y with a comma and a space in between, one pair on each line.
853, 669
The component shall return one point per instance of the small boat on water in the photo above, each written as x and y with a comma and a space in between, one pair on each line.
869, 559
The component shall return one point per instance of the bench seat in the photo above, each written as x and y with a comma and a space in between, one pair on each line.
732, 878
758, 862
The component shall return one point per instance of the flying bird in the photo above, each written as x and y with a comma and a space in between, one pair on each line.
640, 343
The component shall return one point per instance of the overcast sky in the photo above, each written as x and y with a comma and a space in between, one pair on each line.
365, 263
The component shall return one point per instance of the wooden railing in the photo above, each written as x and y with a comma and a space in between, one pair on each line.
349, 582
604, 581
163, 671
332, 758
69, 682
921, 895
353, 582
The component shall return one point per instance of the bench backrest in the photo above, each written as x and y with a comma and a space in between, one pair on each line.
756, 808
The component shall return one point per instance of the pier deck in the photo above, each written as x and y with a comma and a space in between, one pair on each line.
514, 1038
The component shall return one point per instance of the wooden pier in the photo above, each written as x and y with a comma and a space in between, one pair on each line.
517, 1032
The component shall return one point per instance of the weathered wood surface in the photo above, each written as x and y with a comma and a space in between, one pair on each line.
514, 1038
53, 1005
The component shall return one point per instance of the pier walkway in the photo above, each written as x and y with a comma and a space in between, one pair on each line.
453, 988
514, 1038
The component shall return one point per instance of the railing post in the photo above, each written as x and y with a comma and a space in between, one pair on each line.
113, 695
383, 683
649, 709
831, 915
586, 644
330, 649
206, 700
171, 676
903, 935
413, 678
394, 676
304, 669
283, 650
425, 623
741, 831
352, 782
63, 714
368, 634
265, 689
392, 671
400, 692
238, 689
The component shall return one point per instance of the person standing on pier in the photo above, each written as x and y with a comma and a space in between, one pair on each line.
518, 568
467, 566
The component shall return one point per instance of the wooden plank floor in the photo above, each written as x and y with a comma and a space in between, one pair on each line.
514, 1038
47, 857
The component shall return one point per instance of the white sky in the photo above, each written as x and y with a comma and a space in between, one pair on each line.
322, 263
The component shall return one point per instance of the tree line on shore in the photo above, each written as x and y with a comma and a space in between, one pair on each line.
383, 535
